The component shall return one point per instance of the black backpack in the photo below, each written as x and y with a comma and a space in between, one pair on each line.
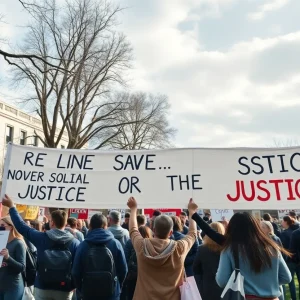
31, 267
99, 278
132, 266
55, 266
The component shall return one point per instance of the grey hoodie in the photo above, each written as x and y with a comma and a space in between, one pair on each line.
60, 236
120, 234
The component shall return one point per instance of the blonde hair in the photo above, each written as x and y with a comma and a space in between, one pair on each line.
14, 231
218, 227
269, 225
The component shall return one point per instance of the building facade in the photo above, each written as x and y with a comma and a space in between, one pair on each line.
19, 127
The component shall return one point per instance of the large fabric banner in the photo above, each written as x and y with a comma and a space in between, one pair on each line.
215, 178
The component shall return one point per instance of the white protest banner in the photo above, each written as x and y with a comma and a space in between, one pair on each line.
3, 242
221, 214
242, 178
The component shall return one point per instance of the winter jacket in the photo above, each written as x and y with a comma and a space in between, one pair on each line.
100, 236
276, 229
13, 267
160, 265
188, 263
120, 234
286, 236
205, 268
43, 241
264, 284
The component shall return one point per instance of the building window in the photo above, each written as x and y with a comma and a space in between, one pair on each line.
23, 138
9, 134
35, 141
62, 147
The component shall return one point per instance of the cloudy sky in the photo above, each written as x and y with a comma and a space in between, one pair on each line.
231, 68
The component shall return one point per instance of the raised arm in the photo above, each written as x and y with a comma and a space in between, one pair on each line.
29, 233
215, 236
136, 238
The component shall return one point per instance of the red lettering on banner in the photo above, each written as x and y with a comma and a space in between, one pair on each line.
250, 190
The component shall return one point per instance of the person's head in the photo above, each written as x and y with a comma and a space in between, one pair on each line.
46, 226
267, 217
177, 224
267, 227
208, 215
218, 227
86, 223
155, 214
183, 217
224, 223
293, 215
72, 222
206, 219
7, 223
58, 219
98, 221
114, 217
127, 217
145, 232
287, 221
141, 220
162, 227
37, 226
79, 224
245, 236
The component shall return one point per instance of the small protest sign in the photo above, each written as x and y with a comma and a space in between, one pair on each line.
31, 212
221, 214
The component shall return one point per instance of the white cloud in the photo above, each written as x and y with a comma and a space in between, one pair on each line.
269, 6
218, 98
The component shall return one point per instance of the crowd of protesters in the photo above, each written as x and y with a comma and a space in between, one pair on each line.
147, 259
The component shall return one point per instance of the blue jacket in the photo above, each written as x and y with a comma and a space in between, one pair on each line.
100, 236
189, 260
265, 284
41, 241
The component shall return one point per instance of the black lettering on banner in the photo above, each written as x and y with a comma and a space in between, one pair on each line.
187, 182
128, 185
29, 159
49, 192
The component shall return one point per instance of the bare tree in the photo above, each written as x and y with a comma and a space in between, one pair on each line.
33, 58
286, 143
80, 38
145, 122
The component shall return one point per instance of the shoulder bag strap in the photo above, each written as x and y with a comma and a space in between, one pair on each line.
236, 265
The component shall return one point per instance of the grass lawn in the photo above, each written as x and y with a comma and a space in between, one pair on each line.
287, 294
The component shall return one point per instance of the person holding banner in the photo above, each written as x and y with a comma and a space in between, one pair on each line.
160, 260
13, 265
261, 262
49, 286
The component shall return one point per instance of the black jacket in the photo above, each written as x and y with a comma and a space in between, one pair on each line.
276, 229
205, 268
295, 245
286, 236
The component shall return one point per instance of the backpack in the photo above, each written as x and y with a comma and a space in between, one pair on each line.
132, 266
31, 267
99, 278
55, 265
